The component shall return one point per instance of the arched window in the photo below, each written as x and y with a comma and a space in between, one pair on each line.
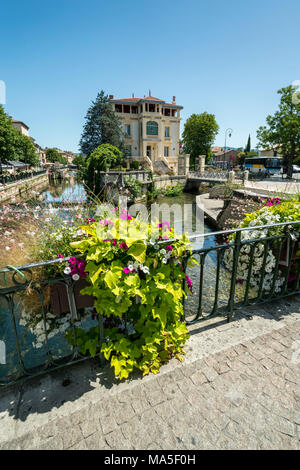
152, 128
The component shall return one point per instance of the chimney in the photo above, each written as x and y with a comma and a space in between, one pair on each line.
111, 97
132, 95
149, 92
174, 100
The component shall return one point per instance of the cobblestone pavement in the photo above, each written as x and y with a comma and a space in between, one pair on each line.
244, 397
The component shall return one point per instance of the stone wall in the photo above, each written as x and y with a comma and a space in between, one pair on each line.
23, 187
160, 182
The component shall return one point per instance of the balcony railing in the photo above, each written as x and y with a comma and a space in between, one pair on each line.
218, 288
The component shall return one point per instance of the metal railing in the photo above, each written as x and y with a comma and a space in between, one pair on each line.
217, 285
13, 178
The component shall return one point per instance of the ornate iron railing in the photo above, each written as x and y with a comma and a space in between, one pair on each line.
217, 284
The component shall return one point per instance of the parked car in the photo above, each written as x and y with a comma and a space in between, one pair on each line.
296, 169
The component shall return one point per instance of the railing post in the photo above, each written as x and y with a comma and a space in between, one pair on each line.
71, 299
237, 247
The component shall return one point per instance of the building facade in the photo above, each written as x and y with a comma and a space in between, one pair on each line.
151, 128
224, 158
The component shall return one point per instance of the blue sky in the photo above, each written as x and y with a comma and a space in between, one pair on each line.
226, 58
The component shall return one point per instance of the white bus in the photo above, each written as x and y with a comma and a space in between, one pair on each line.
270, 165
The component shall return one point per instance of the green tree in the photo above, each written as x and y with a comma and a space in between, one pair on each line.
248, 146
52, 156
102, 126
27, 151
199, 133
9, 137
104, 157
283, 129
79, 160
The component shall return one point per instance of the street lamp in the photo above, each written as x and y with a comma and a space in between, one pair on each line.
228, 133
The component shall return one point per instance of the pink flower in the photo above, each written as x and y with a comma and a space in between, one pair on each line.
161, 225
123, 245
90, 220
106, 222
114, 242
60, 256
169, 247
126, 270
189, 283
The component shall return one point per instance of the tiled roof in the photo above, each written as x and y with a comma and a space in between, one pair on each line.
152, 98
130, 100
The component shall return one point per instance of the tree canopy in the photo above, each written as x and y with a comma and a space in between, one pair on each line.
102, 126
282, 132
199, 133
53, 155
104, 157
14, 145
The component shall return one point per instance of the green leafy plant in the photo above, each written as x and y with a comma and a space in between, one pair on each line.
138, 284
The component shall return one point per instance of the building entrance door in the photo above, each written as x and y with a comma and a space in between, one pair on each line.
149, 151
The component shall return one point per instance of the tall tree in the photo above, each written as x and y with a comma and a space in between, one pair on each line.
248, 146
27, 151
199, 133
102, 126
282, 131
52, 156
9, 137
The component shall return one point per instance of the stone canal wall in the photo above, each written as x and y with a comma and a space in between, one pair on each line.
161, 182
22, 188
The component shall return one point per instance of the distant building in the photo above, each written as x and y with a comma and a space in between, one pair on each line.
66, 154
224, 158
270, 152
151, 128
23, 128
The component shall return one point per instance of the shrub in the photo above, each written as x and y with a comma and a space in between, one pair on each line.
134, 165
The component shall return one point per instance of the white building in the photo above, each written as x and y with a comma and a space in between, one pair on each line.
151, 129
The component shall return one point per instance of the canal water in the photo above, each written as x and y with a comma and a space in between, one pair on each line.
74, 192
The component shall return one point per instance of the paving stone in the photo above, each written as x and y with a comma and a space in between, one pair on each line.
108, 424
72, 436
123, 412
55, 443
88, 427
79, 446
210, 373
198, 378
96, 441
115, 440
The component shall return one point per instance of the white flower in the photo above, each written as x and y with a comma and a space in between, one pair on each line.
163, 251
67, 270
7, 248
164, 260
75, 277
